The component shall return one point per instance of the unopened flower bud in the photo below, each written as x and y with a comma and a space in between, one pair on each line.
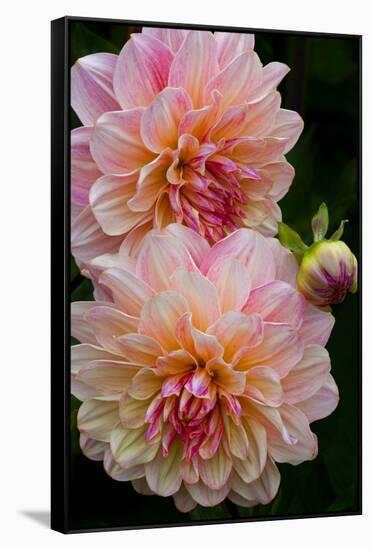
328, 271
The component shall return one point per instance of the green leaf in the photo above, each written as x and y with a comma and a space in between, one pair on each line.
291, 239
336, 236
320, 223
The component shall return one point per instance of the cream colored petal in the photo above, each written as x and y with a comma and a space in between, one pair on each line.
162, 473
97, 417
129, 447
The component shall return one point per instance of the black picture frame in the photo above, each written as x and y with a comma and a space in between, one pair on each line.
60, 269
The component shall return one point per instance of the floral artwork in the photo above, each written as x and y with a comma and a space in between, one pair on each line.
201, 308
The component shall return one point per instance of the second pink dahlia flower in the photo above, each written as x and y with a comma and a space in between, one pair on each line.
181, 126
202, 369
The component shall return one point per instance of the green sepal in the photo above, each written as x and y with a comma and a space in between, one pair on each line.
336, 236
291, 239
320, 223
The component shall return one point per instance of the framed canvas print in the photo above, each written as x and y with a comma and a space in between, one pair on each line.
206, 214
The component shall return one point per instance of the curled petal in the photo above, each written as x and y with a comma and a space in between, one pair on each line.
263, 385
288, 124
140, 349
280, 349
183, 500
285, 262
107, 377
145, 384
196, 245
205, 496
159, 128
251, 467
91, 448
236, 332
133, 411
120, 474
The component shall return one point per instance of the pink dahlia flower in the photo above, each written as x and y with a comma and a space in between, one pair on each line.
181, 126
203, 368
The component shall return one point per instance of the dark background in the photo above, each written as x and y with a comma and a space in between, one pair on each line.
323, 86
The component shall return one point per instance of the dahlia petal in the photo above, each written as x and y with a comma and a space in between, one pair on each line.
175, 362
159, 127
238, 81
128, 291
97, 417
236, 331
231, 123
84, 171
159, 316
159, 257
141, 71
162, 473
280, 349
288, 124
215, 471
317, 325
273, 73
322, 403
305, 447
256, 151
286, 265
307, 376
231, 44
108, 323
189, 470
197, 122
206, 346
107, 377
140, 349
224, 376
133, 411
263, 385
240, 501
235, 438
91, 86
80, 390
196, 245
109, 197
92, 449
199, 383
141, 486
280, 174
269, 417
80, 328
164, 214
183, 500
249, 248
87, 238
144, 384
232, 283
205, 496
194, 64
173, 38
251, 467
263, 489
130, 448
174, 384
277, 302
151, 182
116, 144
200, 295
262, 115
120, 474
